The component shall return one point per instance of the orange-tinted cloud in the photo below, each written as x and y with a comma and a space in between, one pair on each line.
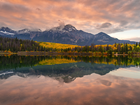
110, 16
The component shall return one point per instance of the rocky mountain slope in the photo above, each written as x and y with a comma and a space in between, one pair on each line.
67, 34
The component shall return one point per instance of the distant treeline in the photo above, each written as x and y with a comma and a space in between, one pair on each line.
15, 45
118, 48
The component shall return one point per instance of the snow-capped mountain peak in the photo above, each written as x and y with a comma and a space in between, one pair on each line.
65, 28
69, 27
36, 30
6, 29
26, 30
7, 33
23, 31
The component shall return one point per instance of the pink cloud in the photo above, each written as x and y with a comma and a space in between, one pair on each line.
85, 14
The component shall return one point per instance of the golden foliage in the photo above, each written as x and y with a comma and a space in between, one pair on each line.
56, 45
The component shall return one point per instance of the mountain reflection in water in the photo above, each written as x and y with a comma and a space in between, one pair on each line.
71, 81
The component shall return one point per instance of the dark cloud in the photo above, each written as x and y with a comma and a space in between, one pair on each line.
123, 23
8, 7
104, 25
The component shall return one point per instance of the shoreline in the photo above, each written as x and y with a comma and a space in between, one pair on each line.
42, 53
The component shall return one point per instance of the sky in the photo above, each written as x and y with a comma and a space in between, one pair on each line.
118, 18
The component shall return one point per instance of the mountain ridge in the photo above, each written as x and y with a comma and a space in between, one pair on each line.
66, 34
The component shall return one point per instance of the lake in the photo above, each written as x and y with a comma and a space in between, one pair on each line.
69, 80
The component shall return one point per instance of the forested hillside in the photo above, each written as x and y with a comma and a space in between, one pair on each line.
14, 45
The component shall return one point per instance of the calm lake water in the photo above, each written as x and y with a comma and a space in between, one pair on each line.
34, 80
